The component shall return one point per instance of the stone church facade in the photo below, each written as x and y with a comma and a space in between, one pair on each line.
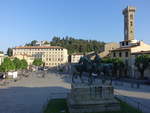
129, 46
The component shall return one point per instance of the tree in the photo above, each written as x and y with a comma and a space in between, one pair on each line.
33, 42
74, 45
24, 64
142, 62
1, 52
56, 39
46, 42
2, 69
118, 65
7, 65
37, 62
77, 45
17, 63
9, 52
20, 64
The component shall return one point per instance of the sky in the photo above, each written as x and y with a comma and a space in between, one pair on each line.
22, 21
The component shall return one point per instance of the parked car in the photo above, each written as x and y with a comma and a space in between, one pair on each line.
43, 68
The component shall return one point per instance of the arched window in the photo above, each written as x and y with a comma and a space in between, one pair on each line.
131, 23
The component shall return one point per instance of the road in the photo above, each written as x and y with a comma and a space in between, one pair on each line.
28, 95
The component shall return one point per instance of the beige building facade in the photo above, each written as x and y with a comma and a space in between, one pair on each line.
1, 58
105, 51
75, 58
127, 53
108, 47
129, 45
52, 56
28, 58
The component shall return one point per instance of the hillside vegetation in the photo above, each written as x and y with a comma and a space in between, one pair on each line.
77, 45
74, 45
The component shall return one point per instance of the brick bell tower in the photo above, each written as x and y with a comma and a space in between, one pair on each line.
129, 14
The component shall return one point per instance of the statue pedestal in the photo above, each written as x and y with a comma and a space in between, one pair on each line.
91, 98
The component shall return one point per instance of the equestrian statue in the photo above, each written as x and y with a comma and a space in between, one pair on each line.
95, 66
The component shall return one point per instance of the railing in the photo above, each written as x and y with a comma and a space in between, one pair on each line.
136, 104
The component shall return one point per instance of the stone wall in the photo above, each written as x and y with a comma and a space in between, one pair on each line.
91, 98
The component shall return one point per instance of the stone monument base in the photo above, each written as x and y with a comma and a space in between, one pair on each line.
91, 98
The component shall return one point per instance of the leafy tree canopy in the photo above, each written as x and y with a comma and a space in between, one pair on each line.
118, 65
32, 43
20, 64
7, 65
77, 45
142, 62
24, 64
74, 45
9, 52
37, 62
17, 63
115, 61
46, 42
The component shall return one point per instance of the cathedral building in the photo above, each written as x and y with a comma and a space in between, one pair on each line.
129, 46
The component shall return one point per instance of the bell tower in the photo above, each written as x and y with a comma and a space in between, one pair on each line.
129, 14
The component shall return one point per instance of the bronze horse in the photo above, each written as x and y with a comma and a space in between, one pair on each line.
91, 66
84, 65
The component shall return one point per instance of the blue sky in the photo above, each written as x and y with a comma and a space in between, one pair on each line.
24, 20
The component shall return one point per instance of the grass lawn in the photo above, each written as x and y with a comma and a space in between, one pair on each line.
60, 106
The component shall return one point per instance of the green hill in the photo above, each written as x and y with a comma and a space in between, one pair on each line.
77, 45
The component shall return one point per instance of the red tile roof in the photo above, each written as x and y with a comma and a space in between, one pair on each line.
141, 52
38, 47
122, 48
125, 48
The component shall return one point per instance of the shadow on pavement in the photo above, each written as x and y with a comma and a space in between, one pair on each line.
28, 99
